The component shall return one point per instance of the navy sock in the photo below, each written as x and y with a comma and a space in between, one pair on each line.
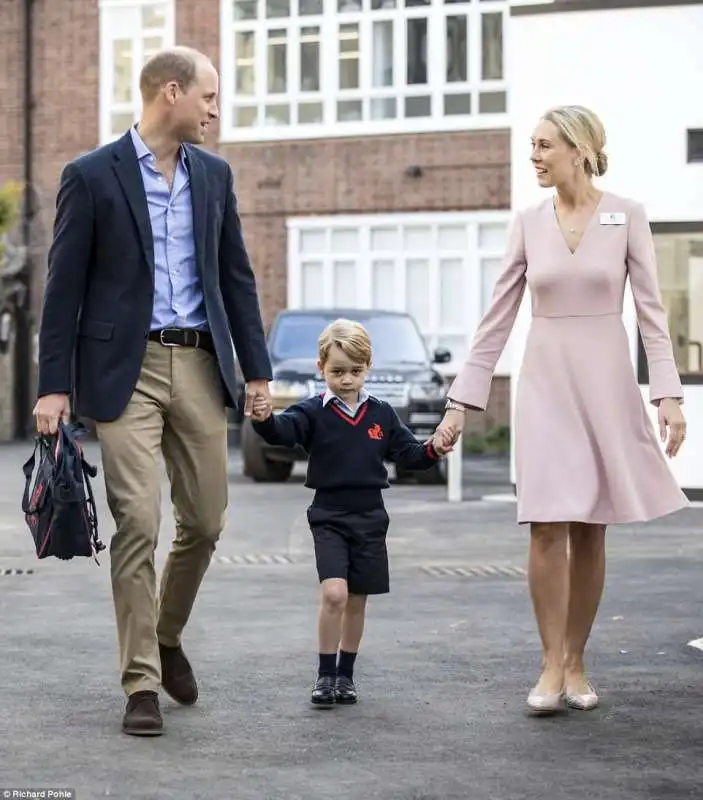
346, 664
328, 664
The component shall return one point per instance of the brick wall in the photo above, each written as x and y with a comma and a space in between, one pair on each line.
461, 171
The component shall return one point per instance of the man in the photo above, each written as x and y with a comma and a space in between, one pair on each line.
149, 286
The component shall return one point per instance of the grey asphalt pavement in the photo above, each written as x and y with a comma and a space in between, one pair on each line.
446, 664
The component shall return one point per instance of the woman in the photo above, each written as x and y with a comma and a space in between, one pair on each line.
586, 453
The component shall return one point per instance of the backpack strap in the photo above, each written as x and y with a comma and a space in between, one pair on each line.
28, 469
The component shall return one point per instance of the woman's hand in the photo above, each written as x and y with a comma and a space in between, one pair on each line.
671, 417
451, 426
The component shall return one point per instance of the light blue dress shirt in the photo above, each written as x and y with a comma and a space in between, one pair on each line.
178, 295
351, 412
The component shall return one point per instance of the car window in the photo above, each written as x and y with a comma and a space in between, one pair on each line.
395, 339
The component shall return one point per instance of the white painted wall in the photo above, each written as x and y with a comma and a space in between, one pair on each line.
641, 70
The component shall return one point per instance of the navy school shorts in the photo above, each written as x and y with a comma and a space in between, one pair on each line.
351, 545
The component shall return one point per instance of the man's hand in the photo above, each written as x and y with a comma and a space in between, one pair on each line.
671, 417
49, 410
257, 389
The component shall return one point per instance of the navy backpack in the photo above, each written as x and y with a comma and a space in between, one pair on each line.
59, 506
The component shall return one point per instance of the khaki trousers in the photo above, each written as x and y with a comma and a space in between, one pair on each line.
178, 410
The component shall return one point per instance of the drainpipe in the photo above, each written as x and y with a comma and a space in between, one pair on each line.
23, 361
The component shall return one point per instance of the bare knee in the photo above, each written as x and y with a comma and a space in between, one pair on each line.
548, 536
356, 604
585, 537
334, 595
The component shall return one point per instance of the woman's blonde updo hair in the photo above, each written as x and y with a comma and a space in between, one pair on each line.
581, 128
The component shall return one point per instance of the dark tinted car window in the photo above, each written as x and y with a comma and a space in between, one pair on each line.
394, 339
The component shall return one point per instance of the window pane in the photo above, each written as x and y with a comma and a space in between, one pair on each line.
383, 108
453, 237
154, 15
309, 113
119, 123
382, 53
492, 47
418, 238
456, 104
383, 284
344, 283
312, 242
312, 290
348, 5
245, 116
278, 114
277, 61
492, 103
490, 272
680, 266
122, 65
277, 8
417, 294
244, 49
151, 46
384, 239
417, 51
349, 110
245, 9
310, 59
418, 106
452, 308
457, 49
349, 56
492, 236
345, 241
307, 7
382, 4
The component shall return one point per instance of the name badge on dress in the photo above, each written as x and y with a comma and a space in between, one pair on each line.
617, 218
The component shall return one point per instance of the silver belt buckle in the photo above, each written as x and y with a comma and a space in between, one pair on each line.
163, 343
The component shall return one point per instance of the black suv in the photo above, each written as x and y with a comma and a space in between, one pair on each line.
401, 374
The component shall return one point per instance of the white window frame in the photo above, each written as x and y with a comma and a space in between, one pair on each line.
110, 12
362, 224
328, 21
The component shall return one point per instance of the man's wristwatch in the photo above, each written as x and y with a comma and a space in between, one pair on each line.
450, 404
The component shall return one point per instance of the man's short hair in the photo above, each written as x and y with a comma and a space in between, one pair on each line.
179, 64
351, 338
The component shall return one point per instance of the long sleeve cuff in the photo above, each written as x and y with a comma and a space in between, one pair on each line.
472, 386
664, 381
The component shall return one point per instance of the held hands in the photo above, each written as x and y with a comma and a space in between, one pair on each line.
448, 431
258, 404
671, 417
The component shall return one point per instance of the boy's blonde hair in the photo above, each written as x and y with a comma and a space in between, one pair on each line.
350, 337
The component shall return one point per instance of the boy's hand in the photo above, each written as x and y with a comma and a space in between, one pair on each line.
261, 409
442, 442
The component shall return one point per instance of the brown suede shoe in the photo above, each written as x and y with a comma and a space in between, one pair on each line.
177, 676
142, 717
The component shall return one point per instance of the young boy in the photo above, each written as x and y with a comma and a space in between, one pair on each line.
347, 434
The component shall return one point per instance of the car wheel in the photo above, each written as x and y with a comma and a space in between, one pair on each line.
256, 465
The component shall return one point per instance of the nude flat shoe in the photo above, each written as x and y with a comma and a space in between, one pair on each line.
582, 702
546, 703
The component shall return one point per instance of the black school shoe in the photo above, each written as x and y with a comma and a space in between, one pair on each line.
345, 691
323, 691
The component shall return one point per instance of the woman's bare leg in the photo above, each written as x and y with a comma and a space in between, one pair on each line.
587, 577
548, 576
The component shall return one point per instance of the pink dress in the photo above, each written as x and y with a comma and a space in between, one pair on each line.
585, 449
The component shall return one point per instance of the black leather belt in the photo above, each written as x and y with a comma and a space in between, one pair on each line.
183, 337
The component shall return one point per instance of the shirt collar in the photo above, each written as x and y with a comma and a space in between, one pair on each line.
143, 151
330, 395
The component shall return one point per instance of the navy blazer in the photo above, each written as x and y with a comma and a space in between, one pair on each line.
99, 294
